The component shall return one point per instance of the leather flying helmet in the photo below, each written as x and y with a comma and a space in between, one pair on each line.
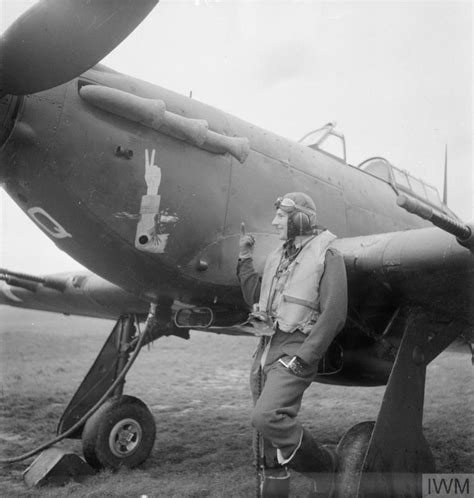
301, 212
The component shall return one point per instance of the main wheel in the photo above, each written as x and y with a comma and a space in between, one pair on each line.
121, 433
351, 452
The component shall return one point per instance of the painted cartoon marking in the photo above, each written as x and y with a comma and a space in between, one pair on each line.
152, 173
48, 223
150, 235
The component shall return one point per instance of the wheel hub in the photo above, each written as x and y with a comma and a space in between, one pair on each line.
125, 437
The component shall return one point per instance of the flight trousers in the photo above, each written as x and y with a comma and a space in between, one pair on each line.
277, 394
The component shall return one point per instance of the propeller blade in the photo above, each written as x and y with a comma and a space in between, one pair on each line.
56, 40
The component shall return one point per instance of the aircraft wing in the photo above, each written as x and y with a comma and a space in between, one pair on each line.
84, 294
426, 268
77, 293
392, 274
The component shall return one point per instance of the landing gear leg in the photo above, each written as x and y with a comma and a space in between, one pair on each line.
120, 431
398, 453
104, 371
389, 457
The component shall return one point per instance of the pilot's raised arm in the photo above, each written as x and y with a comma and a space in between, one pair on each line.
249, 279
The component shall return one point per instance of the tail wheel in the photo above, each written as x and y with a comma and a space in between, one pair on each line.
121, 433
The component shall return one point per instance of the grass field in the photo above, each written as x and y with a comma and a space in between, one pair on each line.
198, 393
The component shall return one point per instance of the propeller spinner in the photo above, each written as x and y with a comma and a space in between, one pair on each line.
56, 40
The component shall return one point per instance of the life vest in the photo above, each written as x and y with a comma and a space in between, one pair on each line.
291, 297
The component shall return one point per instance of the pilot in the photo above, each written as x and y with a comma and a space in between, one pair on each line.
302, 305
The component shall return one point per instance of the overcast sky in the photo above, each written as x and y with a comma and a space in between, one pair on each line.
396, 76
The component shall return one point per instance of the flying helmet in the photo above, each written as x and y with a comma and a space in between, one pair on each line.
301, 212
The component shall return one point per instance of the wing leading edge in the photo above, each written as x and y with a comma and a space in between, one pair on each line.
81, 293
426, 268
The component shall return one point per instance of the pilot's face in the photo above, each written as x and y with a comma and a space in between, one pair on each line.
280, 222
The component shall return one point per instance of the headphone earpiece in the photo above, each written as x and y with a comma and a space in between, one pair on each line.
300, 222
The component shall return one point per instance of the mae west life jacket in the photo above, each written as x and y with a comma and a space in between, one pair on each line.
291, 298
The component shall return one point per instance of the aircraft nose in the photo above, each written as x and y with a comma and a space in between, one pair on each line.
9, 105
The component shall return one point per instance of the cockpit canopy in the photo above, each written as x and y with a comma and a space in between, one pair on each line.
333, 142
327, 139
402, 180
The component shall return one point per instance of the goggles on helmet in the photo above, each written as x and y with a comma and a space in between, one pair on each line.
289, 205
285, 204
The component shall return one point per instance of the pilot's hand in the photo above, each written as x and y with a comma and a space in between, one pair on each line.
246, 243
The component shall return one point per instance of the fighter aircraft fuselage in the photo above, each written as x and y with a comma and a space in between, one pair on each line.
80, 173
148, 189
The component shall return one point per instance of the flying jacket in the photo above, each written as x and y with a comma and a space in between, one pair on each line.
332, 303
291, 296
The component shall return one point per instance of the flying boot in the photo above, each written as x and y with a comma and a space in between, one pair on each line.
275, 483
318, 463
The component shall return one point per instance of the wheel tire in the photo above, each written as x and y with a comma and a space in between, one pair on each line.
351, 452
121, 433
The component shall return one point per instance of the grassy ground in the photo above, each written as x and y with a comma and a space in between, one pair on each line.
198, 393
